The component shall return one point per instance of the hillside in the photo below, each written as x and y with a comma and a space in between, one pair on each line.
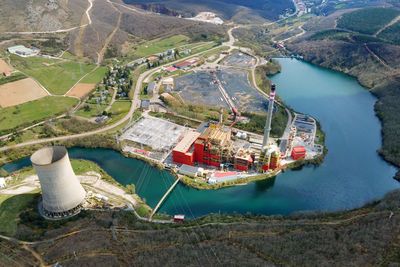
362, 237
40, 15
367, 20
227, 9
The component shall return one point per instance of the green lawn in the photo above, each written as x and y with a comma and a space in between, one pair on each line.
10, 208
96, 76
35, 111
92, 112
120, 107
160, 45
58, 77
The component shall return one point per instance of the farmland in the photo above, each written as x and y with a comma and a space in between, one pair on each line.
367, 20
96, 76
159, 45
55, 75
35, 111
19, 92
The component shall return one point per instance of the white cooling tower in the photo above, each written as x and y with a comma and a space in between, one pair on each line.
61, 191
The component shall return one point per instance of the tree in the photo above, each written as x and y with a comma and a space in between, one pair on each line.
131, 188
3, 172
86, 108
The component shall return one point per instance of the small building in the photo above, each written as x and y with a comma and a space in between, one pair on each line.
219, 177
2, 182
298, 152
187, 51
145, 104
102, 119
183, 65
168, 83
190, 171
152, 58
179, 218
171, 69
150, 88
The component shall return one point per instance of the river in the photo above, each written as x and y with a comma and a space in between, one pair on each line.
351, 175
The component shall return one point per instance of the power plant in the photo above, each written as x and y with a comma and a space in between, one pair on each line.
62, 193
213, 146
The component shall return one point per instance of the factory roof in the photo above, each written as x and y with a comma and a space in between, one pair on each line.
223, 174
187, 141
216, 134
299, 149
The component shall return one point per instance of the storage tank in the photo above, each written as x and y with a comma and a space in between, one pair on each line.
61, 191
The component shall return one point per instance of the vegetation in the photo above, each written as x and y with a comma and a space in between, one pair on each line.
96, 76
74, 125
391, 34
56, 76
261, 72
160, 45
176, 119
304, 238
12, 78
26, 114
367, 20
257, 122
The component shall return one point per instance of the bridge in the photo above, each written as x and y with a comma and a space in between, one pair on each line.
162, 199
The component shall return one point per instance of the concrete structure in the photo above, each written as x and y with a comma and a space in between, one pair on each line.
267, 128
61, 191
145, 104
183, 153
219, 177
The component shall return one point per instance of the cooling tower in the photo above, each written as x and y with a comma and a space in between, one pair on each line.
61, 191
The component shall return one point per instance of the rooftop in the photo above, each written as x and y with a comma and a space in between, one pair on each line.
187, 141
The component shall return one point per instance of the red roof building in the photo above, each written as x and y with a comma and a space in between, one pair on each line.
298, 152
171, 69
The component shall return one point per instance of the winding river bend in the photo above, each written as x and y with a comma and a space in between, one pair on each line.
352, 173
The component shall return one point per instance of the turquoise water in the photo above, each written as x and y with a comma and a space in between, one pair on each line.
352, 173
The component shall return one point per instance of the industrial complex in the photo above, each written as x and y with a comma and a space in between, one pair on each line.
215, 152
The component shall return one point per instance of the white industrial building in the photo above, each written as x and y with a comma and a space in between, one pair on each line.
61, 191
219, 177
191, 171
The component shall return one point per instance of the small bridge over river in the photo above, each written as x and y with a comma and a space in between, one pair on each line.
162, 199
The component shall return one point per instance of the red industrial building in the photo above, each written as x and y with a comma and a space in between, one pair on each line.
214, 146
183, 153
298, 152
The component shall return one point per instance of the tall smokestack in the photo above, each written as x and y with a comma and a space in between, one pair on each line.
221, 115
267, 128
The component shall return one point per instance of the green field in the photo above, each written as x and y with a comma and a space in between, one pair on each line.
35, 111
160, 45
367, 20
12, 78
58, 77
120, 107
96, 76
10, 207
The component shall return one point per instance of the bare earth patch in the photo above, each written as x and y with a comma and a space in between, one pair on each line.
81, 89
19, 92
4, 67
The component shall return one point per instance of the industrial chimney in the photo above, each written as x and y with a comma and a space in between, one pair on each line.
267, 128
61, 191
